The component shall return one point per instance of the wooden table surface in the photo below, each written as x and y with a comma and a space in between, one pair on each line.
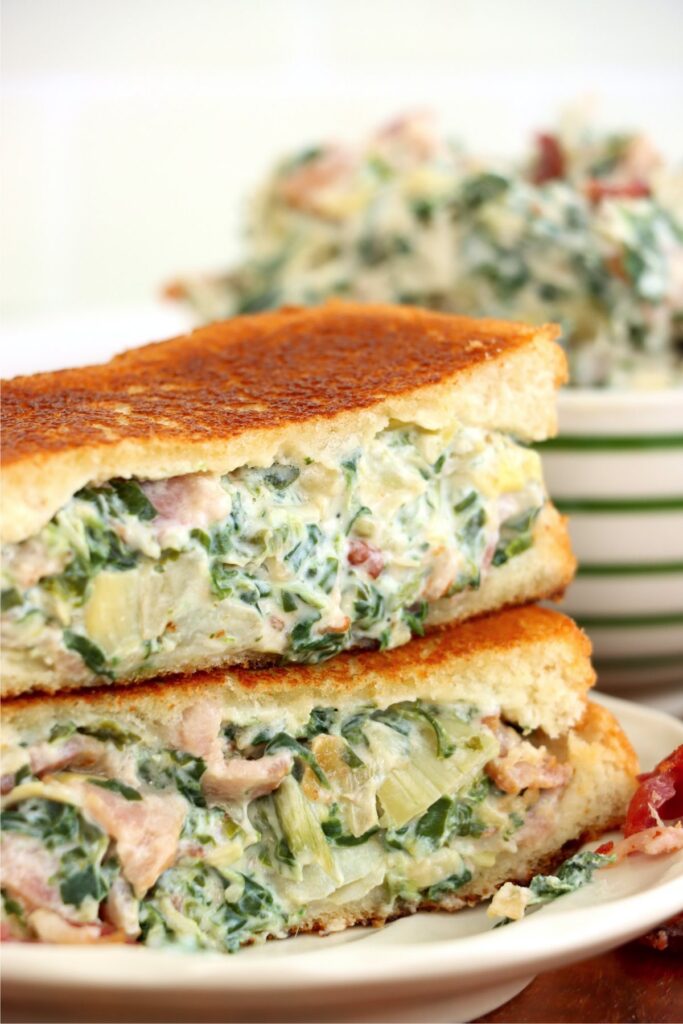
630, 984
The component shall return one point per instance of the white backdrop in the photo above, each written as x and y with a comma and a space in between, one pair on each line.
133, 129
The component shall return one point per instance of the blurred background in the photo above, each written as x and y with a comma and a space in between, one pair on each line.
134, 129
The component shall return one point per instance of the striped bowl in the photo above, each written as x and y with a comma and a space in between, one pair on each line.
616, 469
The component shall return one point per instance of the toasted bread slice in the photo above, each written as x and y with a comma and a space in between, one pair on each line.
246, 804
533, 662
261, 389
282, 487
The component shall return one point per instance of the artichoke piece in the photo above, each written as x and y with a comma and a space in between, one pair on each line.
111, 614
423, 777
301, 828
350, 779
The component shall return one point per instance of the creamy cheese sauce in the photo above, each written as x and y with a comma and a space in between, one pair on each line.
297, 561
226, 833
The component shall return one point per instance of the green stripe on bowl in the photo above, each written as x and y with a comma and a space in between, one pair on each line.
639, 661
660, 504
608, 442
629, 621
629, 568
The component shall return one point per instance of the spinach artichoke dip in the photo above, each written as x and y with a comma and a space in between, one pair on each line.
218, 831
292, 561
586, 230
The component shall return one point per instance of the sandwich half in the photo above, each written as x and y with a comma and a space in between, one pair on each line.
278, 487
244, 804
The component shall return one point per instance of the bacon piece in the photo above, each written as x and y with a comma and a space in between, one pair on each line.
239, 779
7, 783
366, 555
412, 135
305, 186
26, 870
10, 932
76, 751
121, 908
196, 499
659, 795
550, 162
231, 778
606, 848
339, 625
50, 927
525, 766
31, 561
441, 575
146, 831
596, 190
651, 841
199, 728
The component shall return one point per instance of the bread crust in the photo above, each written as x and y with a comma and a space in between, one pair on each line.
296, 382
533, 661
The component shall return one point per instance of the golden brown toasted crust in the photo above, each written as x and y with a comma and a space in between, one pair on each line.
533, 661
244, 390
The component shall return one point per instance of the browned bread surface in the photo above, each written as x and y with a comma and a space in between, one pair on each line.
256, 371
254, 387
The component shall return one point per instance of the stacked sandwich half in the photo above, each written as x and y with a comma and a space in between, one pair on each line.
256, 676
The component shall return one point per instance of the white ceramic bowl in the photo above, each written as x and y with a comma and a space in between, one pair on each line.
616, 469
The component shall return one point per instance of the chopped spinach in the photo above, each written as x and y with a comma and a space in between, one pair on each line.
283, 741
448, 885
369, 606
281, 477
573, 874
134, 499
108, 731
448, 817
307, 648
320, 720
415, 616
465, 502
516, 535
60, 731
89, 652
174, 769
10, 598
52, 822
88, 882
117, 787
433, 824
396, 715
479, 189
305, 548
11, 906
284, 854
231, 582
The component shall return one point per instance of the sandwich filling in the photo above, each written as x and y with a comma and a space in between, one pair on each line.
297, 560
220, 831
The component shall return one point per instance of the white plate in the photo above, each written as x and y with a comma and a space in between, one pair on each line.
433, 967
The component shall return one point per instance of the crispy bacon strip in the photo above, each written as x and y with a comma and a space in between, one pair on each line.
659, 795
550, 162
596, 190
366, 555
